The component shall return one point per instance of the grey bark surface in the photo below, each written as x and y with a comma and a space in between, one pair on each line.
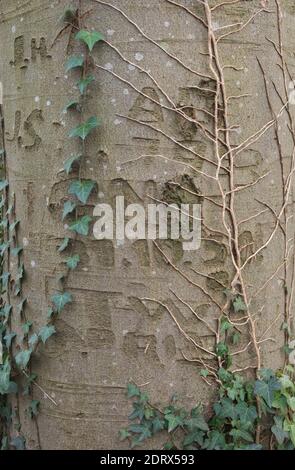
109, 336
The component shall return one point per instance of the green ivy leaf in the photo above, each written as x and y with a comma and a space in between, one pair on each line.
6, 311
73, 262
69, 163
5, 371
33, 408
89, 37
204, 373
124, 434
226, 408
69, 207
235, 338
239, 304
221, 349
292, 433
173, 421
291, 403
266, 390
16, 251
64, 245
84, 129
3, 184
72, 105
84, 83
225, 325
20, 307
9, 338
241, 434
74, 62
81, 226
82, 189
22, 359
33, 340
18, 442
247, 414
278, 431
132, 390
46, 332
61, 300
26, 327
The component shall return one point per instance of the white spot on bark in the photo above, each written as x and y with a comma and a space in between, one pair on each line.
139, 56
37, 99
13, 29
110, 32
33, 263
109, 66
25, 241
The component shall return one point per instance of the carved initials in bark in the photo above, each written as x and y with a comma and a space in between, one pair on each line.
19, 52
29, 130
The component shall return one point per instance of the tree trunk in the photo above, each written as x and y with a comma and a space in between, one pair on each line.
109, 336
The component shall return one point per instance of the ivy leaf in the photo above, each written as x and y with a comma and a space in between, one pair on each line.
5, 371
46, 332
5, 279
74, 62
26, 327
204, 373
225, 325
33, 408
16, 251
292, 433
291, 403
61, 300
247, 414
22, 358
82, 189
20, 307
72, 105
197, 422
89, 37
266, 390
221, 349
235, 338
173, 421
124, 434
8, 339
239, 304
278, 430
69, 206
81, 226
3, 184
241, 434
33, 340
65, 243
158, 424
18, 443
69, 163
73, 262
6, 311
84, 129
132, 391
84, 83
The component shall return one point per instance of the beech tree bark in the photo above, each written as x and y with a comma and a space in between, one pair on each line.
109, 335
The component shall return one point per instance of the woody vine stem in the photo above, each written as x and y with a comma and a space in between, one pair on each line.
235, 307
